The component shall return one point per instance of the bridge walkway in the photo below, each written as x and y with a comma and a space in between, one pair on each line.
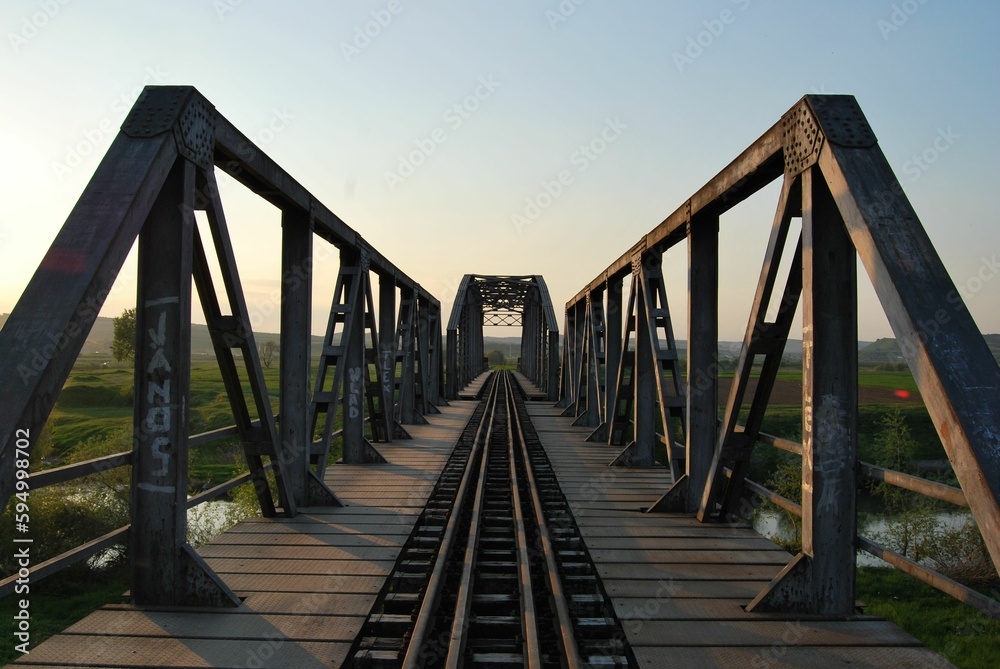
308, 582
679, 586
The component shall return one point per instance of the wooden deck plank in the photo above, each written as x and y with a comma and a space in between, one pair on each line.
345, 517
767, 632
667, 606
317, 529
642, 571
679, 586
681, 543
294, 552
344, 567
293, 603
308, 582
789, 656
72, 650
219, 625
339, 540
658, 529
532, 391
313, 604
743, 591
710, 557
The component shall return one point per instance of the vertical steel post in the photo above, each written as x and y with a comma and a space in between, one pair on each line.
465, 348
387, 345
408, 333
526, 353
480, 345
165, 569
552, 366
830, 400
437, 359
646, 381
702, 354
427, 324
566, 364
595, 324
295, 351
357, 450
451, 373
588, 407
821, 579
613, 352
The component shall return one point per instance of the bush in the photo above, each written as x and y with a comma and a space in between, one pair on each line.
961, 554
64, 517
67, 515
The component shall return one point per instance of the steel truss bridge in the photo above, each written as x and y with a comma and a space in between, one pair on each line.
385, 369
506, 301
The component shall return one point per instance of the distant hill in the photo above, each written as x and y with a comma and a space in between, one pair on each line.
887, 351
993, 341
101, 335
881, 351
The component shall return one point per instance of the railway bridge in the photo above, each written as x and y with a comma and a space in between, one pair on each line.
591, 508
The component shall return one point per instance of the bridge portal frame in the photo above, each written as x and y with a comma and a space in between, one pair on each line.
507, 301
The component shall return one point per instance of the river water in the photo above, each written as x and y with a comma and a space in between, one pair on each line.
773, 524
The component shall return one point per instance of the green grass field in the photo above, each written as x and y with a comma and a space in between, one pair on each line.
867, 378
966, 637
96, 403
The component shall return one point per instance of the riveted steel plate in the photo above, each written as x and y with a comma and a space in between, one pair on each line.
842, 121
196, 132
802, 140
155, 111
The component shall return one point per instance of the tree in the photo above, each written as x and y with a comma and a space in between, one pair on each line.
267, 349
912, 522
496, 358
123, 342
894, 446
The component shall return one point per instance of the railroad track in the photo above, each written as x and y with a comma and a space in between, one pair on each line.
495, 573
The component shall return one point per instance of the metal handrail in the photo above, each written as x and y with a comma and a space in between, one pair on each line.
897, 479
77, 470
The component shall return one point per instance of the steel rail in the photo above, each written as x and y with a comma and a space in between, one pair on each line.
423, 623
529, 623
463, 598
563, 622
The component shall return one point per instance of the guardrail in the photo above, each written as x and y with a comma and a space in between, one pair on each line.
915, 484
79, 470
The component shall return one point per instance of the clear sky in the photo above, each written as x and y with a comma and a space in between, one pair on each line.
681, 88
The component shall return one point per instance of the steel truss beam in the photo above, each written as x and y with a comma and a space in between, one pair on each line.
645, 373
837, 180
158, 173
503, 300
